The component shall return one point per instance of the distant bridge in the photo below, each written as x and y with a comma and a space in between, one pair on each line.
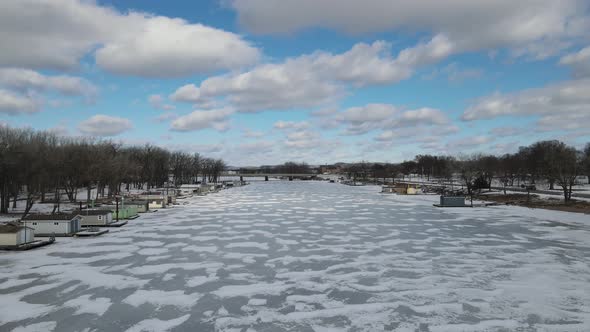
266, 176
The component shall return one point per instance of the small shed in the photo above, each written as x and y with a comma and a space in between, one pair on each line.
140, 205
189, 189
125, 211
388, 189
452, 201
14, 234
95, 217
406, 188
156, 199
53, 224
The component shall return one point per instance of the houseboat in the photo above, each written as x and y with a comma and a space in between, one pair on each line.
60, 224
95, 217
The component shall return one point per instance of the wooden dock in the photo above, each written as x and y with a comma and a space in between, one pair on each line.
30, 245
113, 224
91, 233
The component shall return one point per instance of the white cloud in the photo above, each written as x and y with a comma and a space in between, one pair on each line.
266, 87
361, 120
470, 142
569, 97
455, 73
569, 122
157, 102
126, 43
579, 62
507, 131
285, 125
13, 104
498, 23
313, 80
252, 134
217, 119
26, 79
104, 125
421, 116
165, 47
166, 117
187, 93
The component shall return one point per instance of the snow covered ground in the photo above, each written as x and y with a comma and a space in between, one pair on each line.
309, 256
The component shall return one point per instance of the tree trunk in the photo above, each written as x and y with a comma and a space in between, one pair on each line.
3, 195
30, 201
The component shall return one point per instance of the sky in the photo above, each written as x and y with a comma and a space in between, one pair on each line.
268, 81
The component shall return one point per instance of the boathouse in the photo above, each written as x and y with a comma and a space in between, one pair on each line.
95, 217
53, 224
14, 234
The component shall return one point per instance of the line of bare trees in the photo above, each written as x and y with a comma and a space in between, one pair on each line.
289, 167
36, 164
551, 161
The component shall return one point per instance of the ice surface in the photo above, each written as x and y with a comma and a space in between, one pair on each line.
309, 256
37, 327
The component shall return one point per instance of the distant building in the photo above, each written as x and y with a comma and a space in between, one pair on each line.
95, 217
157, 199
53, 224
140, 205
190, 189
124, 211
14, 234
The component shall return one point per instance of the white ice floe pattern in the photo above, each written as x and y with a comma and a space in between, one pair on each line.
289, 256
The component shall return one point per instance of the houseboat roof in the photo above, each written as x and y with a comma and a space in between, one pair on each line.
92, 212
11, 227
152, 193
57, 216
135, 201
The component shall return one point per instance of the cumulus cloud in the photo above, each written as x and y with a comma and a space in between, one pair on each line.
150, 51
579, 62
104, 125
507, 131
455, 73
252, 134
360, 120
285, 125
469, 142
569, 97
217, 119
500, 23
126, 43
421, 116
187, 93
13, 104
166, 117
24, 80
265, 87
314, 80
569, 122
387, 117
157, 102
428, 136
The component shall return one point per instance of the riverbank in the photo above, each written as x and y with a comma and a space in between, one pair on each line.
537, 202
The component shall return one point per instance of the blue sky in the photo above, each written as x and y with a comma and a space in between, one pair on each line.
267, 81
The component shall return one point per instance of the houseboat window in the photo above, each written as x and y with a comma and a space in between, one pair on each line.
99, 217
34, 223
56, 223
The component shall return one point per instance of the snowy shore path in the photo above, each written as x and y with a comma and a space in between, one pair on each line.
307, 256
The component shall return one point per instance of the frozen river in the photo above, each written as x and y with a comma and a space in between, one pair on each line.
303, 256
